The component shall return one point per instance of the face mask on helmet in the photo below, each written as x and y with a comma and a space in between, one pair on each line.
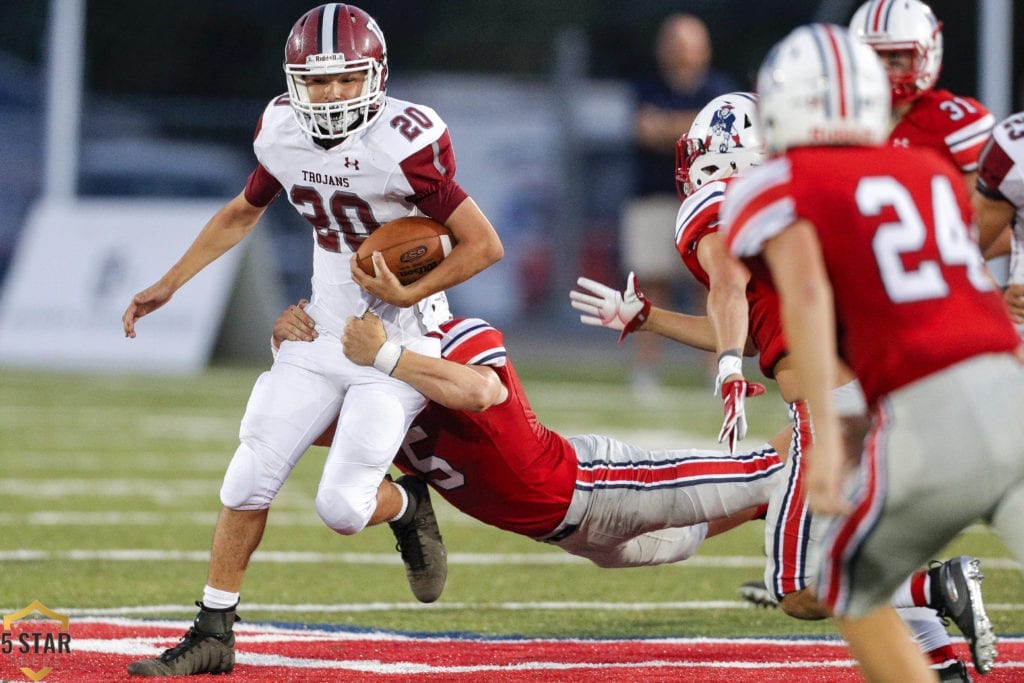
327, 41
724, 138
907, 26
822, 86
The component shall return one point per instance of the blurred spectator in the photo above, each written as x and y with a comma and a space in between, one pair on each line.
666, 104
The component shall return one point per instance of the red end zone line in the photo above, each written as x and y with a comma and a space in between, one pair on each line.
100, 650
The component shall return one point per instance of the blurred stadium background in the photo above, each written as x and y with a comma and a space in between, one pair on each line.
536, 94
109, 479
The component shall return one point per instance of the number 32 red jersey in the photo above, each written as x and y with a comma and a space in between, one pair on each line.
912, 295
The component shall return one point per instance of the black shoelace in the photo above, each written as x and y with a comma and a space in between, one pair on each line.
409, 546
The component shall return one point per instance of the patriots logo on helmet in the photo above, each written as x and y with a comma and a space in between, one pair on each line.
724, 138
723, 127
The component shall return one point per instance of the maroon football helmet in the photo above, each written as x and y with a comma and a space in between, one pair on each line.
334, 39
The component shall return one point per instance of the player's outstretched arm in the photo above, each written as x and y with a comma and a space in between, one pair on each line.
603, 306
453, 385
630, 310
226, 229
729, 312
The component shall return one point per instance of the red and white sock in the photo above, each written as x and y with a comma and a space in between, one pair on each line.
914, 592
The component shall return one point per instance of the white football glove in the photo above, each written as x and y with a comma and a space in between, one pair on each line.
606, 307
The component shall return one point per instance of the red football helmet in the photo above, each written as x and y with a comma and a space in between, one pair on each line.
334, 39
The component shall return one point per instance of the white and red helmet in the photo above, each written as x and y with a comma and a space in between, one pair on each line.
334, 39
724, 138
820, 85
903, 25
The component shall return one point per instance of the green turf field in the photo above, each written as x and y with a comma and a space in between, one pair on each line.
110, 493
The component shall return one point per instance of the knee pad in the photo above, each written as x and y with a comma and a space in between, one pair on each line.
343, 514
247, 484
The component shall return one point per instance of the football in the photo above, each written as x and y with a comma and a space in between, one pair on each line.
411, 247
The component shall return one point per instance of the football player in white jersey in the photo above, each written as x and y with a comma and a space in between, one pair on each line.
349, 158
999, 201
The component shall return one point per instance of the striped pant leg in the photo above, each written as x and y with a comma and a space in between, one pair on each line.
791, 535
624, 491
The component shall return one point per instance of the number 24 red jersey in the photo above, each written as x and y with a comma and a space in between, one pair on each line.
912, 295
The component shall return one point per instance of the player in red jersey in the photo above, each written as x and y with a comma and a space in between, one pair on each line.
480, 445
742, 301
723, 140
708, 160
908, 39
999, 201
878, 263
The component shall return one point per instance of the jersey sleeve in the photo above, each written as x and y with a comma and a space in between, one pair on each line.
966, 142
1000, 175
431, 173
757, 207
957, 127
993, 166
261, 188
965, 124
472, 341
698, 218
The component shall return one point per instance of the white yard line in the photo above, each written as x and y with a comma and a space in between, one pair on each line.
542, 557
357, 607
251, 633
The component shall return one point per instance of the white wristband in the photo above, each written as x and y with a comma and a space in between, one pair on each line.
728, 364
387, 357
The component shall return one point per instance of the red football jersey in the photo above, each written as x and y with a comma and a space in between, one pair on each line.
955, 127
698, 218
911, 292
499, 465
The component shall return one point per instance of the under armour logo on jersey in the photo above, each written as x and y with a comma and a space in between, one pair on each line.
896, 142
351, 164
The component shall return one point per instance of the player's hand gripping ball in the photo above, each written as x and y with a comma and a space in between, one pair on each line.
411, 247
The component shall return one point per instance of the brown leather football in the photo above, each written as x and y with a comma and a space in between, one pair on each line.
411, 246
